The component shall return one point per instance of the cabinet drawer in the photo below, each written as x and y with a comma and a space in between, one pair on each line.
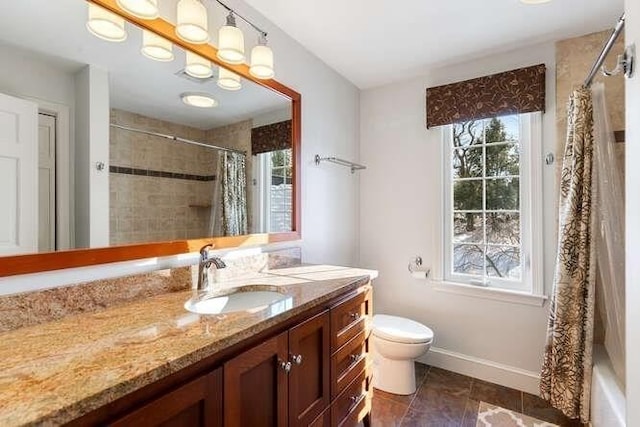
348, 319
323, 420
352, 404
348, 362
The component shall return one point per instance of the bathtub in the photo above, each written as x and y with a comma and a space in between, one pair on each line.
607, 395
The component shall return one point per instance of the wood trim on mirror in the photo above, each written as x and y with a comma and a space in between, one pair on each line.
39, 262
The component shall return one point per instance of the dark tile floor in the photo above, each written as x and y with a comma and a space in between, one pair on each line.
447, 399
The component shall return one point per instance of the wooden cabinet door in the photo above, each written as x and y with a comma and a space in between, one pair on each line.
309, 381
256, 386
196, 404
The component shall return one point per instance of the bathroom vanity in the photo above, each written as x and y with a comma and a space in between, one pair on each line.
302, 361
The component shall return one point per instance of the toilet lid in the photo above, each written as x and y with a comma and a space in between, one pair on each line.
399, 329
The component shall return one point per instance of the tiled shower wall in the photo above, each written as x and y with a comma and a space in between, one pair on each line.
161, 189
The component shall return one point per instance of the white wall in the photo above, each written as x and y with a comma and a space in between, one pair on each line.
632, 35
92, 146
401, 205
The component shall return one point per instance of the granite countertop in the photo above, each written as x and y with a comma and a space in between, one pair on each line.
55, 372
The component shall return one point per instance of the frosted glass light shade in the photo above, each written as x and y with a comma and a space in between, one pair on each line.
200, 100
261, 62
145, 9
231, 45
228, 79
192, 22
197, 66
105, 25
156, 47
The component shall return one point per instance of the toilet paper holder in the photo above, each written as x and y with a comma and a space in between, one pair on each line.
415, 269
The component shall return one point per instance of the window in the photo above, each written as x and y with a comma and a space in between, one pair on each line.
490, 192
275, 191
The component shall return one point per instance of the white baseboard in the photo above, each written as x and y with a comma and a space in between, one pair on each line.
487, 370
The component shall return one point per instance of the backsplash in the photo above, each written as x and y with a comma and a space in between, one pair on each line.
32, 308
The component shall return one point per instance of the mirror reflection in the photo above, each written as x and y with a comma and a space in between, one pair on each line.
116, 148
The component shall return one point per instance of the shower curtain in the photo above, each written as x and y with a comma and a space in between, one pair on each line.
567, 365
229, 206
610, 288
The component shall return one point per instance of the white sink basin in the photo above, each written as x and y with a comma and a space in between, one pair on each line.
250, 299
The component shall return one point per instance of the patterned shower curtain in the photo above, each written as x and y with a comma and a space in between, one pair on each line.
567, 365
233, 193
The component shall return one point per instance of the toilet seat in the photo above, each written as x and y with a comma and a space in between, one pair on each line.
400, 330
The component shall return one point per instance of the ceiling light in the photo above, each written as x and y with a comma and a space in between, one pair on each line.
156, 47
197, 66
105, 24
231, 42
228, 80
192, 22
262, 60
200, 100
145, 9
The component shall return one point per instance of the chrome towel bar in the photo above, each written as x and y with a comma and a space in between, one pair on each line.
338, 161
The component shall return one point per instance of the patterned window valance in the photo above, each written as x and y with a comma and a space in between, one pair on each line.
516, 91
276, 136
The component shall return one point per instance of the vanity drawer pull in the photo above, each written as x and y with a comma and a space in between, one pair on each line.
356, 399
286, 366
355, 316
354, 358
297, 359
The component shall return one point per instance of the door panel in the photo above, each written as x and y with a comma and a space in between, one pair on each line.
46, 183
310, 380
256, 386
18, 176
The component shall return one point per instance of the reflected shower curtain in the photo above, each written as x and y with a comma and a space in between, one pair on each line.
567, 365
609, 236
229, 207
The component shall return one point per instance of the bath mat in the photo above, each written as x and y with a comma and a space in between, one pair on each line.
495, 416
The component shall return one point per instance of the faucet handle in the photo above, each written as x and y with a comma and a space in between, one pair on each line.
204, 251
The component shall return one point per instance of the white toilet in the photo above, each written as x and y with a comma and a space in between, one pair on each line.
397, 342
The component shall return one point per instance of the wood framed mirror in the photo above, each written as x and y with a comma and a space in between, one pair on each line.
142, 153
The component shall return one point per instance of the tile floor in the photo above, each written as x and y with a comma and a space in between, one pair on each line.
447, 399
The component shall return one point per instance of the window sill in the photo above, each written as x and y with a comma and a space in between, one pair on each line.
504, 295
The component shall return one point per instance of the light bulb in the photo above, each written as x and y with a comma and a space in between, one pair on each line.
192, 22
228, 80
200, 100
262, 60
197, 66
156, 47
105, 24
145, 9
231, 42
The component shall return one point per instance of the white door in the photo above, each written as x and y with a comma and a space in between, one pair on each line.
18, 176
46, 183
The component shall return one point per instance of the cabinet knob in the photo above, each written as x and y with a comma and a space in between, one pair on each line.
356, 399
354, 358
355, 316
297, 359
286, 366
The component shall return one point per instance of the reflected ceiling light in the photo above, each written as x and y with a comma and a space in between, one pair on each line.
156, 47
197, 66
262, 60
200, 100
192, 22
228, 80
105, 24
231, 42
145, 9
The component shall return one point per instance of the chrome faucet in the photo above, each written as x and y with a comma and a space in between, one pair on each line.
206, 262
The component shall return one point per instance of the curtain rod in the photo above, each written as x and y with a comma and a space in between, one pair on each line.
177, 139
605, 51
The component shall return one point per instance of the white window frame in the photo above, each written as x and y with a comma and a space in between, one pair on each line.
262, 192
531, 221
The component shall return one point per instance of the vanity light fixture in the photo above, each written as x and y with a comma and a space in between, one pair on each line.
156, 47
228, 80
145, 9
198, 99
197, 66
105, 24
231, 42
192, 23
262, 59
